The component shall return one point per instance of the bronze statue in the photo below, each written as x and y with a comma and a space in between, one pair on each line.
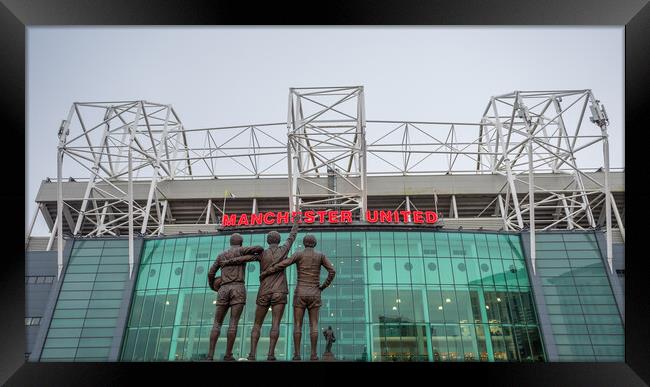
273, 289
231, 292
329, 339
307, 292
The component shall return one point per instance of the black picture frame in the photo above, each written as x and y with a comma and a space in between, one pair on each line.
18, 15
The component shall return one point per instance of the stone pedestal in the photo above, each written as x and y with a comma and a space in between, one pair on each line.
328, 356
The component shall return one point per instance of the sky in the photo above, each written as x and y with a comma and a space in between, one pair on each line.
219, 76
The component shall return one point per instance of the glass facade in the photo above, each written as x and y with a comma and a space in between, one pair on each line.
584, 316
85, 316
397, 296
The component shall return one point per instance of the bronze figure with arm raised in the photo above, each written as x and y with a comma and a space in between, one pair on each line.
307, 294
273, 290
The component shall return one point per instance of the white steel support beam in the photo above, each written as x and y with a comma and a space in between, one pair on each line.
619, 222
361, 153
599, 117
102, 219
567, 212
132, 130
53, 234
47, 217
163, 216
524, 114
292, 164
585, 200
407, 201
531, 210
59, 214
67, 216
513, 194
435, 200
503, 212
208, 211
63, 134
608, 203
147, 208
290, 155
84, 203
454, 207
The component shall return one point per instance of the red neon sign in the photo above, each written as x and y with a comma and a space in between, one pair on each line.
328, 217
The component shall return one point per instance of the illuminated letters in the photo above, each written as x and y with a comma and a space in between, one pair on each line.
229, 220
328, 216
243, 220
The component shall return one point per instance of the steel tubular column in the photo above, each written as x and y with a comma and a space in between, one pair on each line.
524, 114
619, 221
59, 213
102, 219
53, 234
130, 200
608, 200
163, 216
132, 130
407, 201
291, 163
208, 212
531, 198
361, 106
599, 117
567, 212
454, 207
63, 134
502, 211
150, 197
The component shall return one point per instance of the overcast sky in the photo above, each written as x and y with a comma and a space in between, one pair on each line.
228, 76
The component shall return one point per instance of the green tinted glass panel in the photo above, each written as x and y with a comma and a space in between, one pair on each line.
85, 315
397, 295
580, 302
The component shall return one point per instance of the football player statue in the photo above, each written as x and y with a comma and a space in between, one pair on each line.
307, 294
231, 292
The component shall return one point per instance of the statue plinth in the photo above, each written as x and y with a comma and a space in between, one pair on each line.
328, 356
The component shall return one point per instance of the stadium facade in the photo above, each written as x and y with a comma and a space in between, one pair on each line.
499, 240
